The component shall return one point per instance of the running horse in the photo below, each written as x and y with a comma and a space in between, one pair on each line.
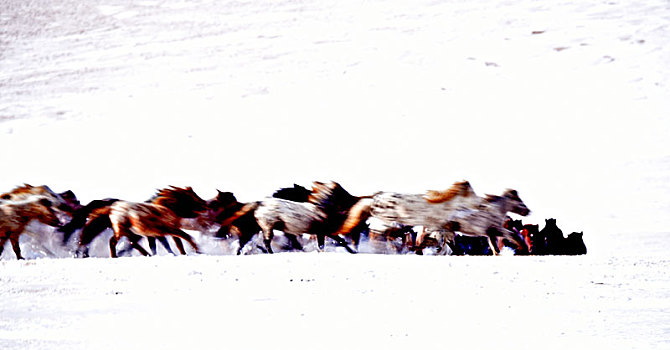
434, 210
235, 218
322, 215
65, 202
15, 215
158, 218
487, 219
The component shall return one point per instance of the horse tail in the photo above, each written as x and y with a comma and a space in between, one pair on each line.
80, 216
247, 208
358, 213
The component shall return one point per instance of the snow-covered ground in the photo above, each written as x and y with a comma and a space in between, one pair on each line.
567, 102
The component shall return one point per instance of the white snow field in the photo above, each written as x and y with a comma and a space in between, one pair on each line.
567, 102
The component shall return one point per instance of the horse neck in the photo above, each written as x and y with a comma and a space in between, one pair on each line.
228, 210
498, 207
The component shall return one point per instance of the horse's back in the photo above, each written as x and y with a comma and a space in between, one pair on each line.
296, 216
146, 218
414, 209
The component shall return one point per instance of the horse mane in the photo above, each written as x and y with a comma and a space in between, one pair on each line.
458, 188
512, 194
492, 198
182, 201
331, 195
296, 193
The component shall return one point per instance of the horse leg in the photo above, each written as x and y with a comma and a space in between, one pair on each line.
15, 245
134, 242
267, 239
321, 241
356, 235
152, 245
82, 252
3, 241
91, 230
179, 244
112, 246
177, 233
340, 241
164, 243
494, 247
295, 244
245, 237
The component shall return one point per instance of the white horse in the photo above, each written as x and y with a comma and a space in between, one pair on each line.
486, 219
434, 210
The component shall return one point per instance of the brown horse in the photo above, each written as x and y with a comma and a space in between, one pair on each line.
16, 215
65, 202
158, 218
235, 218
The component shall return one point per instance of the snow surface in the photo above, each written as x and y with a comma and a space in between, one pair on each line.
566, 102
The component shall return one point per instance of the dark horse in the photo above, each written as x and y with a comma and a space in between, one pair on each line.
551, 241
233, 217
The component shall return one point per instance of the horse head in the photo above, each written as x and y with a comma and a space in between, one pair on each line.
70, 199
550, 223
26, 191
42, 209
516, 204
222, 200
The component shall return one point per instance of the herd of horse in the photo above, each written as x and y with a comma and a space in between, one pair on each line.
455, 221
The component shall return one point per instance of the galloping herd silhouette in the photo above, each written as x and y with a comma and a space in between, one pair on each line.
455, 221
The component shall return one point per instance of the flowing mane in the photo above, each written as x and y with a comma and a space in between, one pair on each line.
296, 193
182, 201
458, 188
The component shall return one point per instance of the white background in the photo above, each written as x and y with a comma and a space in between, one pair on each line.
566, 102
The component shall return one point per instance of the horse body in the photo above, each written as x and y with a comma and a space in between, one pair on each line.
293, 218
551, 241
433, 210
574, 244
149, 219
488, 218
155, 219
322, 215
414, 210
16, 215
